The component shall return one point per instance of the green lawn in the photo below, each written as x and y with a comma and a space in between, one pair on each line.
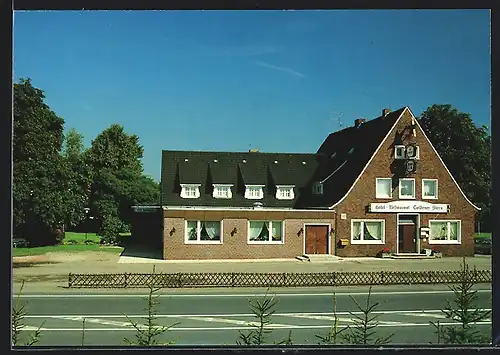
64, 248
81, 237
482, 235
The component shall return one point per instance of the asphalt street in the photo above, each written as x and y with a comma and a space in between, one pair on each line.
215, 318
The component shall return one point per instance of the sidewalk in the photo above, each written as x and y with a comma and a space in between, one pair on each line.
52, 273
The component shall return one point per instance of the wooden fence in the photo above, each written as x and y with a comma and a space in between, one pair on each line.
179, 280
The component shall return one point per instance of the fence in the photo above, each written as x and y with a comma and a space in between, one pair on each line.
179, 280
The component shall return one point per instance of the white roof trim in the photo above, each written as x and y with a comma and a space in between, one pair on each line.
442, 162
209, 208
370, 160
382, 143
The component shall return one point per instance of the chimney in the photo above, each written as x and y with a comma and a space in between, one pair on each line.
386, 111
253, 150
358, 122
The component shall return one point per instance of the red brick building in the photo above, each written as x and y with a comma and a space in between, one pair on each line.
378, 184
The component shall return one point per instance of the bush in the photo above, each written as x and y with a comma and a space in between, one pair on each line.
71, 242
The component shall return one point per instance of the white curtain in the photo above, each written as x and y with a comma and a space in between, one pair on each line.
356, 230
212, 231
429, 188
255, 229
384, 187
276, 229
453, 230
191, 230
259, 231
407, 188
373, 231
439, 230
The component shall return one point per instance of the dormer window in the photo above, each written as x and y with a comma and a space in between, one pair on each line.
190, 190
318, 188
399, 152
222, 191
254, 192
285, 193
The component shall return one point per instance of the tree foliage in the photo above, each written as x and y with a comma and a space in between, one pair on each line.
118, 182
465, 149
45, 192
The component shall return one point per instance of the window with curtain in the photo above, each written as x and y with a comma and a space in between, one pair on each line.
203, 231
406, 188
383, 188
367, 232
429, 188
265, 231
442, 231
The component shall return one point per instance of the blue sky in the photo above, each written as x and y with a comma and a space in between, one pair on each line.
280, 81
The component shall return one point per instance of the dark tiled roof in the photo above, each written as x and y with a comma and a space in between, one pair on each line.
343, 156
237, 168
338, 162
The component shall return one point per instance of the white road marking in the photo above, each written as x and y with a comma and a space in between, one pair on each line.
239, 322
239, 328
94, 320
246, 295
390, 312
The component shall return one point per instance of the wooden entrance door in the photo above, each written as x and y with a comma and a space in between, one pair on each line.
316, 240
407, 238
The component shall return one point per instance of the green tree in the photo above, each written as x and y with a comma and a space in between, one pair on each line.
80, 174
450, 132
115, 160
44, 199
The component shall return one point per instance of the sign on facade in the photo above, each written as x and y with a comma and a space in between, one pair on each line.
409, 206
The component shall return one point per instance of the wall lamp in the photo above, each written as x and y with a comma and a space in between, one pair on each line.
172, 231
301, 230
234, 231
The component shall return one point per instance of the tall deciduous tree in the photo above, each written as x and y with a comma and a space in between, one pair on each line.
115, 159
43, 186
466, 151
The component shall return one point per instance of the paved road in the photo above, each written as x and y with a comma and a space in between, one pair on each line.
214, 318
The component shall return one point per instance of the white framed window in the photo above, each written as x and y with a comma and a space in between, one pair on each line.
190, 190
407, 188
445, 231
317, 188
203, 232
254, 192
285, 193
265, 232
410, 152
367, 231
383, 188
429, 189
222, 191
399, 152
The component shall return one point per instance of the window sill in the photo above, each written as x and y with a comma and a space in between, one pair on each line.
429, 198
266, 242
203, 242
384, 197
407, 197
452, 242
375, 242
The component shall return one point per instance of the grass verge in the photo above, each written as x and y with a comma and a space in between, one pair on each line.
482, 235
64, 248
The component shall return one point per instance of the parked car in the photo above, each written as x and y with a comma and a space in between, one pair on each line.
482, 246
